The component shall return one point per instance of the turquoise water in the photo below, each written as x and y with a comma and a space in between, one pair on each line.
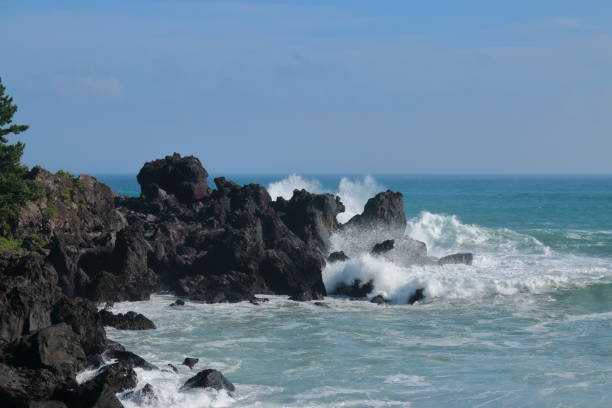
529, 324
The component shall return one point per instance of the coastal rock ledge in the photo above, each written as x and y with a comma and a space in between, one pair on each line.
81, 246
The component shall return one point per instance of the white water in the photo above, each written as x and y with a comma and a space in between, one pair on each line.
524, 326
353, 192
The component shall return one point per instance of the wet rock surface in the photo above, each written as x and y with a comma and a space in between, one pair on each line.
126, 321
209, 379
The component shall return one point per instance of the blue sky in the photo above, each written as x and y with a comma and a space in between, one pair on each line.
313, 86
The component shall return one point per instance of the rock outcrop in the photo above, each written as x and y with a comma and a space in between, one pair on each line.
209, 379
183, 177
385, 212
127, 321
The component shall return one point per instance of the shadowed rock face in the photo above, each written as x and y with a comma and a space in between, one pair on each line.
127, 321
209, 379
384, 211
183, 177
312, 217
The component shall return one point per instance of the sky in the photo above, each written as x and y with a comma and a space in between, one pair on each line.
336, 86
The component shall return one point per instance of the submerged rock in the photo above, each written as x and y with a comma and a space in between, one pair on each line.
209, 378
322, 304
128, 321
383, 247
190, 362
463, 258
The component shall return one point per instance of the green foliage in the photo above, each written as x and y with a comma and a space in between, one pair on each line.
15, 189
9, 244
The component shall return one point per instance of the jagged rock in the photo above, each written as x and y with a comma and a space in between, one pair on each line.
379, 300
416, 296
128, 321
338, 256
83, 317
209, 379
190, 362
465, 258
383, 247
384, 211
183, 177
129, 359
356, 289
173, 368
312, 217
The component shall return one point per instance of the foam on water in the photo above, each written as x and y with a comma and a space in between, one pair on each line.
505, 263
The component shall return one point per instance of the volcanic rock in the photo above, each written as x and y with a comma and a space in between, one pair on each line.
209, 378
128, 321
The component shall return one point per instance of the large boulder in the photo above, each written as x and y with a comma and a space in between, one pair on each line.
209, 378
312, 217
385, 211
55, 348
183, 177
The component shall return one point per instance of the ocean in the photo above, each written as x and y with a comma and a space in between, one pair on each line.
529, 324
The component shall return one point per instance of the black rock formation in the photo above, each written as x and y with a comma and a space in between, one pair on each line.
416, 296
384, 211
338, 256
209, 379
383, 247
357, 289
127, 321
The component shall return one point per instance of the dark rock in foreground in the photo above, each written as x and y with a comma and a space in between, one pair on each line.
356, 289
465, 258
209, 379
339, 256
383, 247
190, 362
127, 321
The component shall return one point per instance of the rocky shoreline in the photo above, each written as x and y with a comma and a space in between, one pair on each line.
83, 246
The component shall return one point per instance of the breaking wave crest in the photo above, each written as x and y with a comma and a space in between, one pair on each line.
446, 233
284, 188
353, 192
506, 263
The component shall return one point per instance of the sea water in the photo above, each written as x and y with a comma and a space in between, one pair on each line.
529, 324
